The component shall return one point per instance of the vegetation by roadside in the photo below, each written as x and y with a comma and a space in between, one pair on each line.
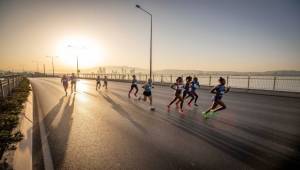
10, 108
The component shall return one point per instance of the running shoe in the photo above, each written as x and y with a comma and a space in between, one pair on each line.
204, 114
180, 111
196, 105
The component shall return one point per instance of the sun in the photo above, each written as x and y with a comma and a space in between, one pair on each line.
87, 51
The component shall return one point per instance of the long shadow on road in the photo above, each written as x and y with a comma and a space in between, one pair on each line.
118, 108
58, 135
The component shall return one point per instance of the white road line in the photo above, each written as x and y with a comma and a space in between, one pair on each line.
48, 163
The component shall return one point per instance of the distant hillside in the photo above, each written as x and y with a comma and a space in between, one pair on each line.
127, 70
266, 73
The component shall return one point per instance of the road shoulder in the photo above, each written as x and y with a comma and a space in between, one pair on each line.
22, 159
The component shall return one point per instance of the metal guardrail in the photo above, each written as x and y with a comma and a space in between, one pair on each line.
269, 83
7, 84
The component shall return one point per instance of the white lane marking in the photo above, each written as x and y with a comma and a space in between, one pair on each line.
48, 163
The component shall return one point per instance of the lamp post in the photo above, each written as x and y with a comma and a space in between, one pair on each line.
139, 7
70, 46
52, 63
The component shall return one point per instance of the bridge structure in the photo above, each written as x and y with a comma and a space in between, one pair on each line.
104, 129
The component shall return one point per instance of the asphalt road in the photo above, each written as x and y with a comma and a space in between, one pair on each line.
104, 129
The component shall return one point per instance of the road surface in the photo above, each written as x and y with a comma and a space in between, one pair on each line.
104, 129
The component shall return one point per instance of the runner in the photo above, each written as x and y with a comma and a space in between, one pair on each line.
187, 91
98, 83
133, 86
105, 82
219, 91
178, 86
73, 82
195, 85
148, 93
65, 82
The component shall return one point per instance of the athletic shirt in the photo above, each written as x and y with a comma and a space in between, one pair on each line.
178, 88
148, 87
64, 80
220, 89
98, 80
73, 79
195, 85
187, 87
134, 81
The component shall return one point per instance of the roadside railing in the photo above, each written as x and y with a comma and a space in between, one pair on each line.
8, 83
269, 83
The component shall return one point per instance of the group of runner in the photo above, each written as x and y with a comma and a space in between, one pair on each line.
183, 91
98, 83
65, 81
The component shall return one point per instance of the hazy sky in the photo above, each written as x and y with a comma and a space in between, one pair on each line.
237, 35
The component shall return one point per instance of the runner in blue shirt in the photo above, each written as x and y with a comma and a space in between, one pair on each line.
148, 93
219, 91
194, 86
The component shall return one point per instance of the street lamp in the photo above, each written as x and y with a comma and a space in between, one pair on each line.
70, 46
52, 63
139, 7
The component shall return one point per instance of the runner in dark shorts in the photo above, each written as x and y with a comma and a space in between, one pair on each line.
148, 93
98, 83
178, 87
133, 86
65, 82
187, 91
195, 85
105, 82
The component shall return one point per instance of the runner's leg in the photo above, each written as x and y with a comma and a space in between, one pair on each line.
191, 95
136, 91
222, 104
213, 106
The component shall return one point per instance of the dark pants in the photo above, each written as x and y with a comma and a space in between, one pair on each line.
134, 86
177, 96
194, 94
186, 94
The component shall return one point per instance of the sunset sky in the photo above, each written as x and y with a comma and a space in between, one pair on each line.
212, 35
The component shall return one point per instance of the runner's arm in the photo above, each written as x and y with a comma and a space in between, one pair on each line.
213, 90
172, 86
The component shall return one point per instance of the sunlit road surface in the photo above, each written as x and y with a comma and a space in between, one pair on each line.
104, 129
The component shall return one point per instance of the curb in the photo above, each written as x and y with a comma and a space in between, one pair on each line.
22, 159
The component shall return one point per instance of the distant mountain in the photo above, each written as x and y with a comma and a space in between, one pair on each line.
199, 72
127, 70
282, 73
